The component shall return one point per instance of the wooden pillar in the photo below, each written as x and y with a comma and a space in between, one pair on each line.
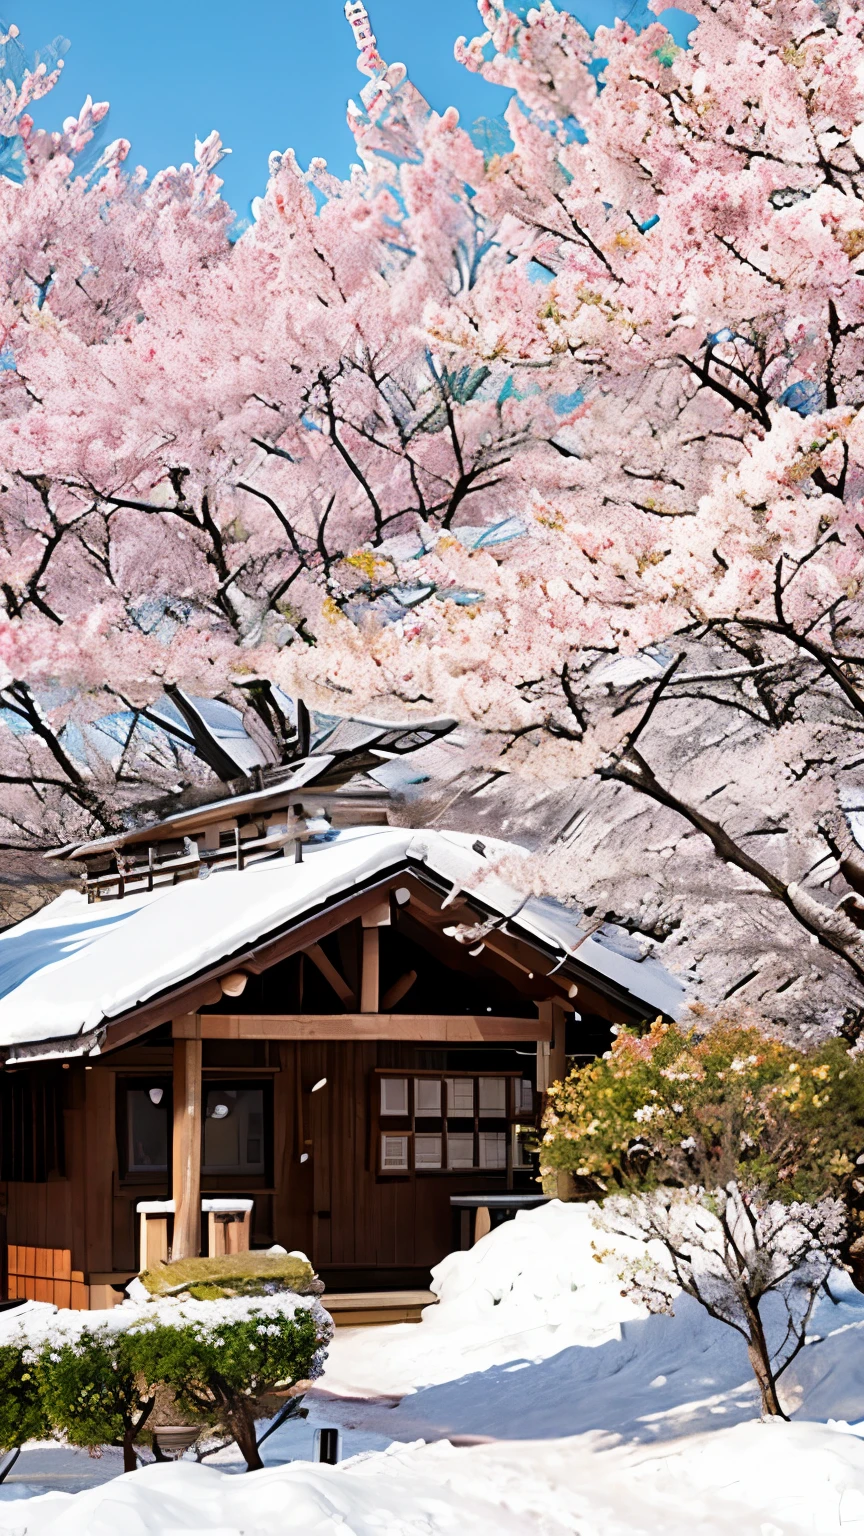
376, 917
369, 983
544, 1052
188, 1111
552, 1068
558, 1047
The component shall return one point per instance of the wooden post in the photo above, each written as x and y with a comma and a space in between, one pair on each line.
544, 1050
558, 1047
552, 1068
187, 1149
369, 982
227, 1232
377, 916
153, 1240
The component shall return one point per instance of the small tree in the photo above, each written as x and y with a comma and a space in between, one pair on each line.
221, 1359
91, 1389
730, 1250
737, 1154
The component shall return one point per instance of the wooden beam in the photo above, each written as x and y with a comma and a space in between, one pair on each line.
186, 1160
377, 916
399, 989
331, 975
360, 1026
594, 995
199, 994
203, 991
423, 931
370, 972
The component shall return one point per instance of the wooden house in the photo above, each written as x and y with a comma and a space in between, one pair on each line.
277, 1019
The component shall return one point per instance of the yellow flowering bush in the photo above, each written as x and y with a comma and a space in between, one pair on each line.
705, 1102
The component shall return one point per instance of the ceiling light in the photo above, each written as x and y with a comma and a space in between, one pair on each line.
220, 1111
157, 1095
304, 1157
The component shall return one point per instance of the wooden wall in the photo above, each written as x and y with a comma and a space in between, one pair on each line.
358, 1222
363, 1231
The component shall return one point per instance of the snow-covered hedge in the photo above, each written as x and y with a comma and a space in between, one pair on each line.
95, 1376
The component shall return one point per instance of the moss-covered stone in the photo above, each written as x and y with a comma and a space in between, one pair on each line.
234, 1274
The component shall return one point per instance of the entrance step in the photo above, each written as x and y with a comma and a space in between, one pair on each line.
363, 1309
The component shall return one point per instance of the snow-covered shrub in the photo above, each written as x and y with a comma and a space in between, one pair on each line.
223, 1359
90, 1385
22, 1415
733, 1152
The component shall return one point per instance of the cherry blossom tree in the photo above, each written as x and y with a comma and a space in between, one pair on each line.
198, 443
563, 439
697, 220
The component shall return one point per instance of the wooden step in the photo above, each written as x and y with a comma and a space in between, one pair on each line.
364, 1309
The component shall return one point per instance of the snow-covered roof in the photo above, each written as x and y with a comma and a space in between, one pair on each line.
75, 966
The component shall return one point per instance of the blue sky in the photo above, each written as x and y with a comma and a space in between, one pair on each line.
269, 74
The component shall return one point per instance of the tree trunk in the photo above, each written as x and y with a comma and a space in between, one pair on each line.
758, 1353
130, 1455
242, 1425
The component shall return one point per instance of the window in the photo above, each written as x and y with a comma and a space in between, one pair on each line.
394, 1095
493, 1149
460, 1149
427, 1098
394, 1153
234, 1131
147, 1130
525, 1097
31, 1125
524, 1143
460, 1097
431, 1124
492, 1096
427, 1151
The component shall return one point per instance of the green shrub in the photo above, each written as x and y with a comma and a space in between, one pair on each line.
22, 1414
222, 1359
91, 1389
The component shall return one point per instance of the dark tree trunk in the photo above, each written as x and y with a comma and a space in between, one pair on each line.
242, 1425
130, 1455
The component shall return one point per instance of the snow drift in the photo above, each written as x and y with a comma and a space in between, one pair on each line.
532, 1341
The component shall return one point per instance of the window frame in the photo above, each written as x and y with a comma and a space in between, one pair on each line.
139, 1082
424, 1124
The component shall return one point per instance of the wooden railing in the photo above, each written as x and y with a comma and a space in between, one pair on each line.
187, 866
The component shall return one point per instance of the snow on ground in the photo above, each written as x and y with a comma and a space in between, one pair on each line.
531, 1342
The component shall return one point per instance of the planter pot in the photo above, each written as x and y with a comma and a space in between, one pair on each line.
174, 1439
